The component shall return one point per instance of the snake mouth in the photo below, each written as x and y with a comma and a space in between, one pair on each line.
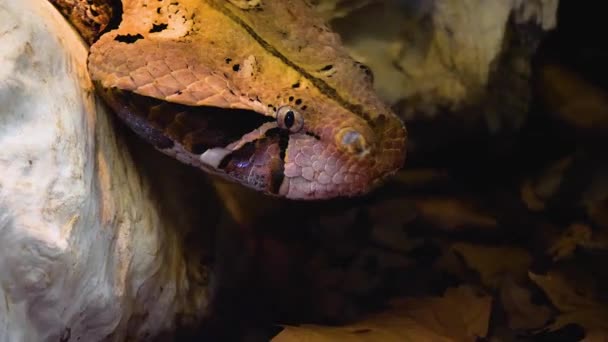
245, 146
240, 145
196, 128
259, 163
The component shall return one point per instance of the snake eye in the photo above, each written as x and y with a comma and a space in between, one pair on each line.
289, 118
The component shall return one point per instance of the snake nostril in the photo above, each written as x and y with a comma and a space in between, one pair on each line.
352, 141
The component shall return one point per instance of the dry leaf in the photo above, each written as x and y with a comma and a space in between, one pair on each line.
522, 314
574, 99
420, 177
362, 278
598, 212
529, 197
575, 235
390, 219
394, 238
460, 315
450, 263
596, 336
534, 193
576, 306
383, 328
494, 263
392, 212
453, 213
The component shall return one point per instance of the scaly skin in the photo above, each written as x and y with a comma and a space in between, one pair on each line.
89, 17
260, 56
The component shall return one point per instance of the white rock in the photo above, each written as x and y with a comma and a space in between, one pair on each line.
84, 250
434, 52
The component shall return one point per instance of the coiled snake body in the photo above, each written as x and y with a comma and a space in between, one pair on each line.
258, 91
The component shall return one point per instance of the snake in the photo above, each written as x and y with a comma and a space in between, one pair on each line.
260, 92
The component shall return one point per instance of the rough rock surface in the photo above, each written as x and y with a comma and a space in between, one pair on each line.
86, 251
438, 52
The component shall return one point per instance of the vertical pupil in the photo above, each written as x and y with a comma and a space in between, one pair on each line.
289, 119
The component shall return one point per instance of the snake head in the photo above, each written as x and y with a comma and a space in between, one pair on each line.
333, 150
266, 96
340, 154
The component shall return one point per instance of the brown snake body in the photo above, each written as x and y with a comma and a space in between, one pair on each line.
259, 91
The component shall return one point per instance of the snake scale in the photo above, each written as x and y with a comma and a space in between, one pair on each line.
260, 92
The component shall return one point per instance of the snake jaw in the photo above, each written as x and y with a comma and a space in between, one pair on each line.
345, 156
340, 162
316, 170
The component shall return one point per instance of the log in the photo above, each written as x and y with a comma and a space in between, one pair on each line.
88, 252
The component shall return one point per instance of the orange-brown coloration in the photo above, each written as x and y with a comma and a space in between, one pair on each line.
279, 53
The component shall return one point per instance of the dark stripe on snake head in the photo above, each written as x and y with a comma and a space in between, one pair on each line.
323, 86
